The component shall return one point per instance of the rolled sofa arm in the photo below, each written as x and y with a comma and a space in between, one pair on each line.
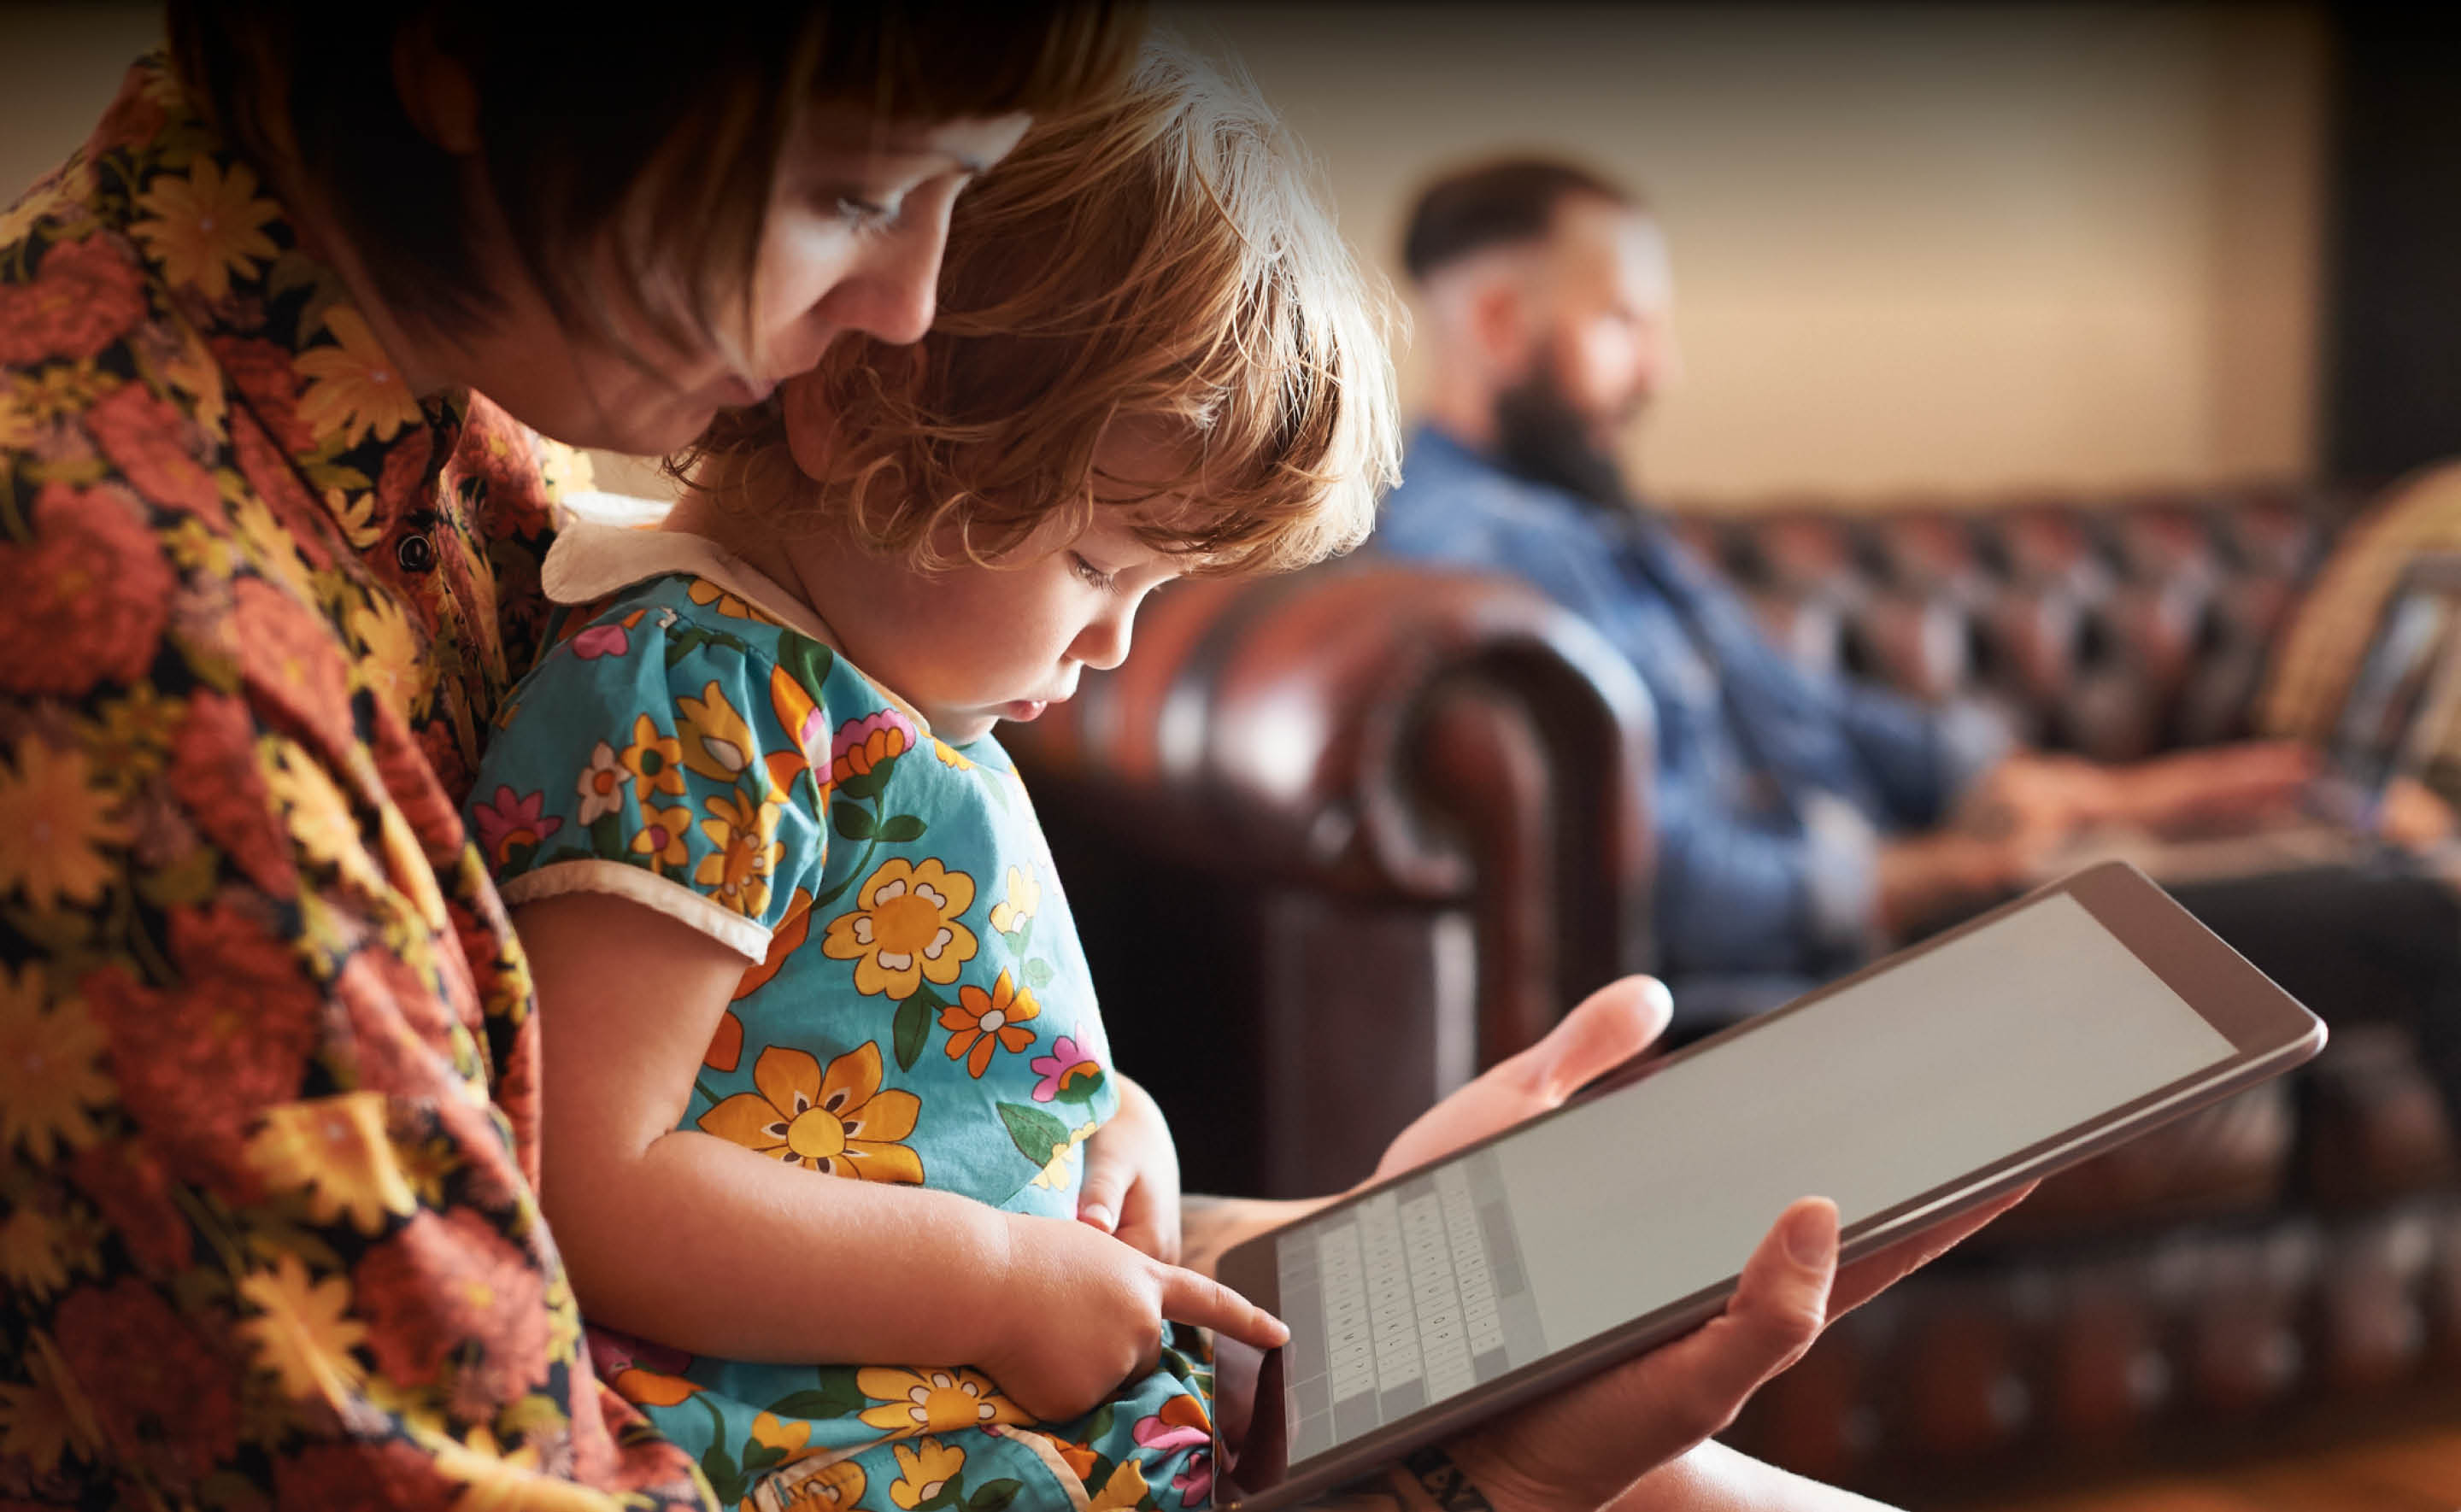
1381, 737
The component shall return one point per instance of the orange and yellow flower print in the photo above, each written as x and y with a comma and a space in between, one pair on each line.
933, 1401
981, 1023
838, 1121
904, 929
206, 226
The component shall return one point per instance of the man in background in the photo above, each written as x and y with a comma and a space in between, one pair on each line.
1805, 821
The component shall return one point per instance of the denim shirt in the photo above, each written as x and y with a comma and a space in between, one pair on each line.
1775, 781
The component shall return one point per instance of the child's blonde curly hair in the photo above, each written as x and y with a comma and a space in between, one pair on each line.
1163, 256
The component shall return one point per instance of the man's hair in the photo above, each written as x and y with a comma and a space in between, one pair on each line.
658, 144
1497, 204
1165, 262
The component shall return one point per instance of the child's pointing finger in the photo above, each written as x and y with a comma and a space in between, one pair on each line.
1189, 1297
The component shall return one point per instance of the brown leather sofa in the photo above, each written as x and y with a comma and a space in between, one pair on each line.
1339, 839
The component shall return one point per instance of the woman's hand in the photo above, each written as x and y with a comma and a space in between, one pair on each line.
1586, 1445
1614, 1024
1132, 1176
1083, 1312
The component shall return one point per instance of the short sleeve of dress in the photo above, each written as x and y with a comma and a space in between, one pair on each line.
665, 761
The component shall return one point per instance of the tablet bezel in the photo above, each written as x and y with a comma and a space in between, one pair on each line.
2269, 1033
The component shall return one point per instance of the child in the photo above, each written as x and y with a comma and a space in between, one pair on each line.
824, 1068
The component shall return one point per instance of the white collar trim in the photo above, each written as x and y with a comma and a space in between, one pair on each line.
590, 561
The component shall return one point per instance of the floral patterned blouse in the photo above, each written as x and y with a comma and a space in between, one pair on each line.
268, 1097
914, 1010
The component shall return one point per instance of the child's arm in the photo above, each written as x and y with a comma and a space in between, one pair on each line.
692, 1241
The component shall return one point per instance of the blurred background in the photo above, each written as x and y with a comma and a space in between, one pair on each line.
2041, 355
1965, 249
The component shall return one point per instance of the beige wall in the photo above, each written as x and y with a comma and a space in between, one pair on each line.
1953, 249
1973, 250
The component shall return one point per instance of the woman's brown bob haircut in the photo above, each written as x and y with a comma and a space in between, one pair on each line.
654, 143
1160, 267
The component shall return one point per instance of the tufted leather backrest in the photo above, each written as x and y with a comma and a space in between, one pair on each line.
2113, 628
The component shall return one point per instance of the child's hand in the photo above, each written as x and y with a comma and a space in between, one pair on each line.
1078, 1314
1132, 1176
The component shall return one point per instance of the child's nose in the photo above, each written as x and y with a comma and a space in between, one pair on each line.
1104, 644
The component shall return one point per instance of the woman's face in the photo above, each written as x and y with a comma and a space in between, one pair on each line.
852, 242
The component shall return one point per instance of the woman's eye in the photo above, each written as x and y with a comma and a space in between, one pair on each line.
864, 213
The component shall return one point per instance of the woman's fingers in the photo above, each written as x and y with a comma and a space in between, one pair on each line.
1582, 1446
1147, 1224
1108, 1173
1187, 1297
1612, 1024
1874, 1273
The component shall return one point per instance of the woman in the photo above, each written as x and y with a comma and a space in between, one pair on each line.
269, 567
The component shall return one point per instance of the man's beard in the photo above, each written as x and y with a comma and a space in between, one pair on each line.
1540, 437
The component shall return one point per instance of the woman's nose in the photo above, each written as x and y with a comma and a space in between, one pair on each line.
900, 283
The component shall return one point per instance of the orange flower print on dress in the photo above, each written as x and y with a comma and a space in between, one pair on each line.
792, 1440
725, 1050
665, 836
55, 826
198, 1063
268, 385
151, 441
51, 1070
745, 834
981, 1022
838, 1122
839, 1488
216, 775
788, 938
923, 1470
714, 739
443, 1282
653, 761
302, 1332
905, 929
651, 1374
84, 296
293, 660
206, 226
334, 1151
140, 1363
354, 387
933, 1401
709, 595
90, 593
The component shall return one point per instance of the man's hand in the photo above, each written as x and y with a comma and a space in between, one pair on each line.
2039, 798
1132, 1176
2232, 787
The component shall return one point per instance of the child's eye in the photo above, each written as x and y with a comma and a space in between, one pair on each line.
1093, 576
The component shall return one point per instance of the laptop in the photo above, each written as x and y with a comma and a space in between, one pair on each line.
2391, 722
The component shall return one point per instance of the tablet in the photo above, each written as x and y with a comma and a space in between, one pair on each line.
2046, 1031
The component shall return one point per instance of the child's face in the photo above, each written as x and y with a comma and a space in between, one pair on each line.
971, 646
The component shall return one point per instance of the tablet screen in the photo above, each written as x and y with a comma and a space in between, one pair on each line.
1879, 1092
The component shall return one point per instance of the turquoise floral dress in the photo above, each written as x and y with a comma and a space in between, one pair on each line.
915, 1008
